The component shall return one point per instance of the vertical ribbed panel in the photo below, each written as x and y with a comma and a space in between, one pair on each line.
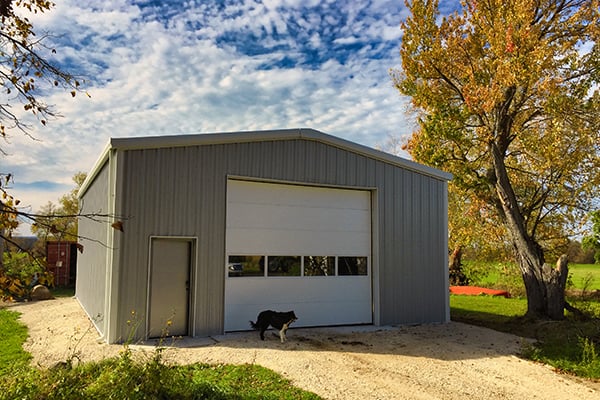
92, 263
181, 191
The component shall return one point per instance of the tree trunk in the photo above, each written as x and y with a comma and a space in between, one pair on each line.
556, 281
546, 290
545, 286
455, 272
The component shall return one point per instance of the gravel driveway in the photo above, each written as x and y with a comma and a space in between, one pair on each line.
450, 361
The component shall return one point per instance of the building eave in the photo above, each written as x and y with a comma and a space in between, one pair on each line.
155, 142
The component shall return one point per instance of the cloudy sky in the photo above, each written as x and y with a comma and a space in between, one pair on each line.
185, 67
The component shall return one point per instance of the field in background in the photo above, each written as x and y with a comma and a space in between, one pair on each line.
506, 276
585, 276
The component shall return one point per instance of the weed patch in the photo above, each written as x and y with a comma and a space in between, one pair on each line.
128, 377
125, 378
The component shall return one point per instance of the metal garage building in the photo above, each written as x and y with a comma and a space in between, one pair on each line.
217, 227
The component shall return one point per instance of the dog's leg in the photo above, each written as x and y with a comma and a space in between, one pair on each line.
284, 329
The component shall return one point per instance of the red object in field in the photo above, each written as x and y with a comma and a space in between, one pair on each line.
476, 291
61, 260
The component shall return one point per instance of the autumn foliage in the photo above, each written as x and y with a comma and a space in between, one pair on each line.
19, 273
507, 98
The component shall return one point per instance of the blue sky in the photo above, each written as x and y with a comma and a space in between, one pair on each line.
183, 67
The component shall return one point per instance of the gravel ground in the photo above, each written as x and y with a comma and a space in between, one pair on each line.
449, 361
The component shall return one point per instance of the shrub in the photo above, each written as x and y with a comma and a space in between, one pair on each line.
19, 273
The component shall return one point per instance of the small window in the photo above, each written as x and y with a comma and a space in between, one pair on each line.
284, 265
352, 266
246, 266
319, 266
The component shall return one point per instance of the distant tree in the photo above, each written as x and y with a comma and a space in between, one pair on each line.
69, 202
59, 222
578, 255
507, 98
592, 241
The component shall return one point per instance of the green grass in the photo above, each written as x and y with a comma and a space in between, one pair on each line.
63, 292
12, 336
497, 312
585, 276
124, 377
571, 345
497, 275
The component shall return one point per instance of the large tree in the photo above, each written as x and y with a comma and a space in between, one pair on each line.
26, 74
507, 98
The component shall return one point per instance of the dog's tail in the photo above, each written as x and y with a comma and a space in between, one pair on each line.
253, 325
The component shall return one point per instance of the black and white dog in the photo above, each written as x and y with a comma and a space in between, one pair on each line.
278, 320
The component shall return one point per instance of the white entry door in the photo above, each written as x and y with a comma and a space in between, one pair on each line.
168, 310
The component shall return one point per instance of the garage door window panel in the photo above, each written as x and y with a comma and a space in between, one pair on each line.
319, 266
353, 266
284, 265
238, 266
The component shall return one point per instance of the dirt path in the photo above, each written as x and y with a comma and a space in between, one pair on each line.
451, 361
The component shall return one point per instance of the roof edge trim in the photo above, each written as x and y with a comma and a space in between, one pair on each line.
155, 142
95, 170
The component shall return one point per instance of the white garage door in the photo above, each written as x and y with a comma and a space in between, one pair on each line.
300, 248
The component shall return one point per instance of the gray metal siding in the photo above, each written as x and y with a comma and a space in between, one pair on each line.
181, 191
413, 248
92, 263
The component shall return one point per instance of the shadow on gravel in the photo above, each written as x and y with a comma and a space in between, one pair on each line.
451, 341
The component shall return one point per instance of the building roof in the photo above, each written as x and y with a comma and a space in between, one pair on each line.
156, 142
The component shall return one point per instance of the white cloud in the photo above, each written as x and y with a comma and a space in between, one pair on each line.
280, 64
346, 40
